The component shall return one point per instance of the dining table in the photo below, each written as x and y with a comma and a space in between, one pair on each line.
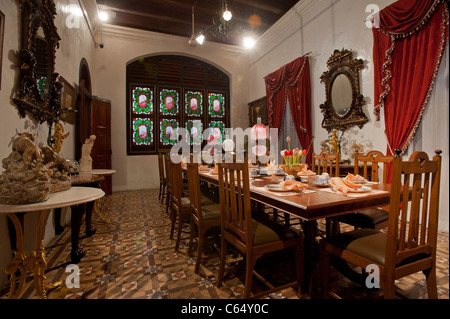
316, 202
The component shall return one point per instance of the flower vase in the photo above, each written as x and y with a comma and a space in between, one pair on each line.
292, 169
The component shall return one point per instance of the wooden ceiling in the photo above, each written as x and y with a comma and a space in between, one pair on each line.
175, 16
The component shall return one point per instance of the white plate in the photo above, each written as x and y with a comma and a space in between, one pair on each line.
362, 189
321, 184
277, 188
306, 175
358, 182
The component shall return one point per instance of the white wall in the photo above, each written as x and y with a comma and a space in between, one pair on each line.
320, 27
76, 43
122, 46
313, 25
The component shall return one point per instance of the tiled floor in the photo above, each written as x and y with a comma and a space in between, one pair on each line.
133, 258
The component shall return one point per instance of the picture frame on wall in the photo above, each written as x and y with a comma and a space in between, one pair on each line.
258, 109
68, 102
2, 31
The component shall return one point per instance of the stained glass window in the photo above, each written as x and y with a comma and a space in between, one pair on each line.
170, 96
216, 105
142, 98
168, 131
142, 131
193, 103
217, 128
169, 101
195, 129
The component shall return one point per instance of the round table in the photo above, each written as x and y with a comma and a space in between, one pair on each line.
35, 262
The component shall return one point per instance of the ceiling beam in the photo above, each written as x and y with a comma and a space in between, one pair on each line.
263, 6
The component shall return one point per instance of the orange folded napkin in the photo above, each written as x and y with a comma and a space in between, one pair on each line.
293, 185
306, 171
343, 185
354, 178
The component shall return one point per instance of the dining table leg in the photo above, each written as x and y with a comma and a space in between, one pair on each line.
77, 217
90, 208
310, 247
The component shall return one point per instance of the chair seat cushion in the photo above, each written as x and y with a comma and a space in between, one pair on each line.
267, 231
211, 212
206, 201
367, 218
186, 202
367, 243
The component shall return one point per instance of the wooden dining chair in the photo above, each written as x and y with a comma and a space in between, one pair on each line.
180, 207
162, 178
252, 237
168, 181
325, 163
180, 204
375, 218
409, 245
202, 217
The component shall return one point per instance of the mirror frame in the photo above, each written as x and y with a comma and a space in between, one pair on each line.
37, 13
342, 62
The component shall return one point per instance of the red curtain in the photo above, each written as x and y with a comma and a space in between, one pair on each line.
407, 52
408, 48
291, 82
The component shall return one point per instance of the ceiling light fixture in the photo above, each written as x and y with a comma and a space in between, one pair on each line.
249, 42
226, 13
223, 27
193, 41
103, 16
200, 39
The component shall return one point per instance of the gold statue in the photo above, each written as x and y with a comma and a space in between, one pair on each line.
334, 143
59, 137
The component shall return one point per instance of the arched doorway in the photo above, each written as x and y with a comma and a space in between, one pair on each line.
84, 106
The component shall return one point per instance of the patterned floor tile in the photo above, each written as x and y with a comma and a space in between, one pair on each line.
133, 257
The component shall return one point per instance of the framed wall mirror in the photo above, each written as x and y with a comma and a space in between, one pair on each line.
39, 91
343, 106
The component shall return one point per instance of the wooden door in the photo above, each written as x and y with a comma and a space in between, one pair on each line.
101, 128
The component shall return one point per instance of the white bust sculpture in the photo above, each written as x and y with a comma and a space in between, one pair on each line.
86, 159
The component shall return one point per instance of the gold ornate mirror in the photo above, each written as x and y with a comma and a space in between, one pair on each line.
343, 106
39, 91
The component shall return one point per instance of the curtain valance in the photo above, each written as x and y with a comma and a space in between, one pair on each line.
291, 81
407, 51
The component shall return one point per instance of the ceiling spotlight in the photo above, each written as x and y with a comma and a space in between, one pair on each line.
103, 16
249, 42
200, 39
